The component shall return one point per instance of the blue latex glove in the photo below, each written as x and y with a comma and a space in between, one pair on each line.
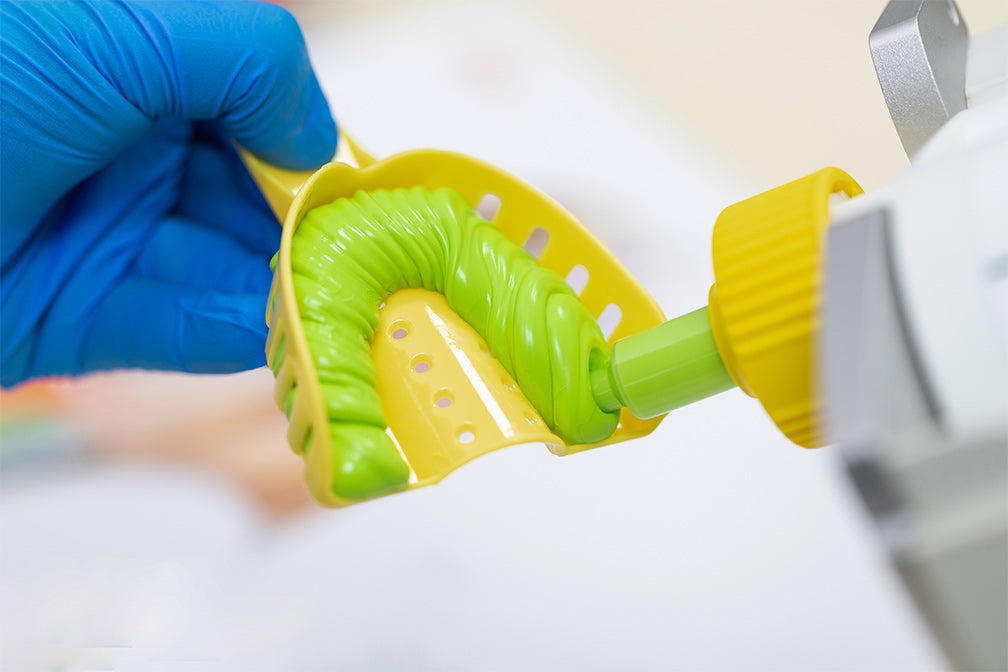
130, 234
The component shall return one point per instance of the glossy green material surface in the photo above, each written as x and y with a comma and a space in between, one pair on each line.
663, 368
346, 257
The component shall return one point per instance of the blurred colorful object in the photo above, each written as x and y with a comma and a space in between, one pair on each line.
30, 425
226, 425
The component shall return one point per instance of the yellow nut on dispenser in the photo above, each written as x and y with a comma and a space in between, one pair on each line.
764, 304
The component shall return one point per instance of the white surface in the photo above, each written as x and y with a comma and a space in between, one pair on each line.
949, 229
987, 66
713, 544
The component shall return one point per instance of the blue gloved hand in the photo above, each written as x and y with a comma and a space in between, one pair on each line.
130, 234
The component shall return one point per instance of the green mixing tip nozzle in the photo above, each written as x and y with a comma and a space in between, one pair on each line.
663, 368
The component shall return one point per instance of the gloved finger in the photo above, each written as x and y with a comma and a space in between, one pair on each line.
242, 62
155, 325
217, 190
63, 118
186, 253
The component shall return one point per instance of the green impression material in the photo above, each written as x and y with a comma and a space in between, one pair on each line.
346, 257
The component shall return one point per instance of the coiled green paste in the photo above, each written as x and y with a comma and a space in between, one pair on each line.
349, 255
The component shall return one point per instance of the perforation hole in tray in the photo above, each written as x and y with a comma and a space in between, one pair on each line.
609, 319
421, 364
400, 329
488, 206
536, 243
444, 399
577, 279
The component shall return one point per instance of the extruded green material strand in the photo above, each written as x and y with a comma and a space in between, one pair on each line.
349, 255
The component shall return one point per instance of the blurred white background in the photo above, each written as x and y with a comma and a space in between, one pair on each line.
157, 523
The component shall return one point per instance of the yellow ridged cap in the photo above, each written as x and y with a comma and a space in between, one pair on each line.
764, 305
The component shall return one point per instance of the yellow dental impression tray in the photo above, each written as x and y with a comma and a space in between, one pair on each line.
446, 398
